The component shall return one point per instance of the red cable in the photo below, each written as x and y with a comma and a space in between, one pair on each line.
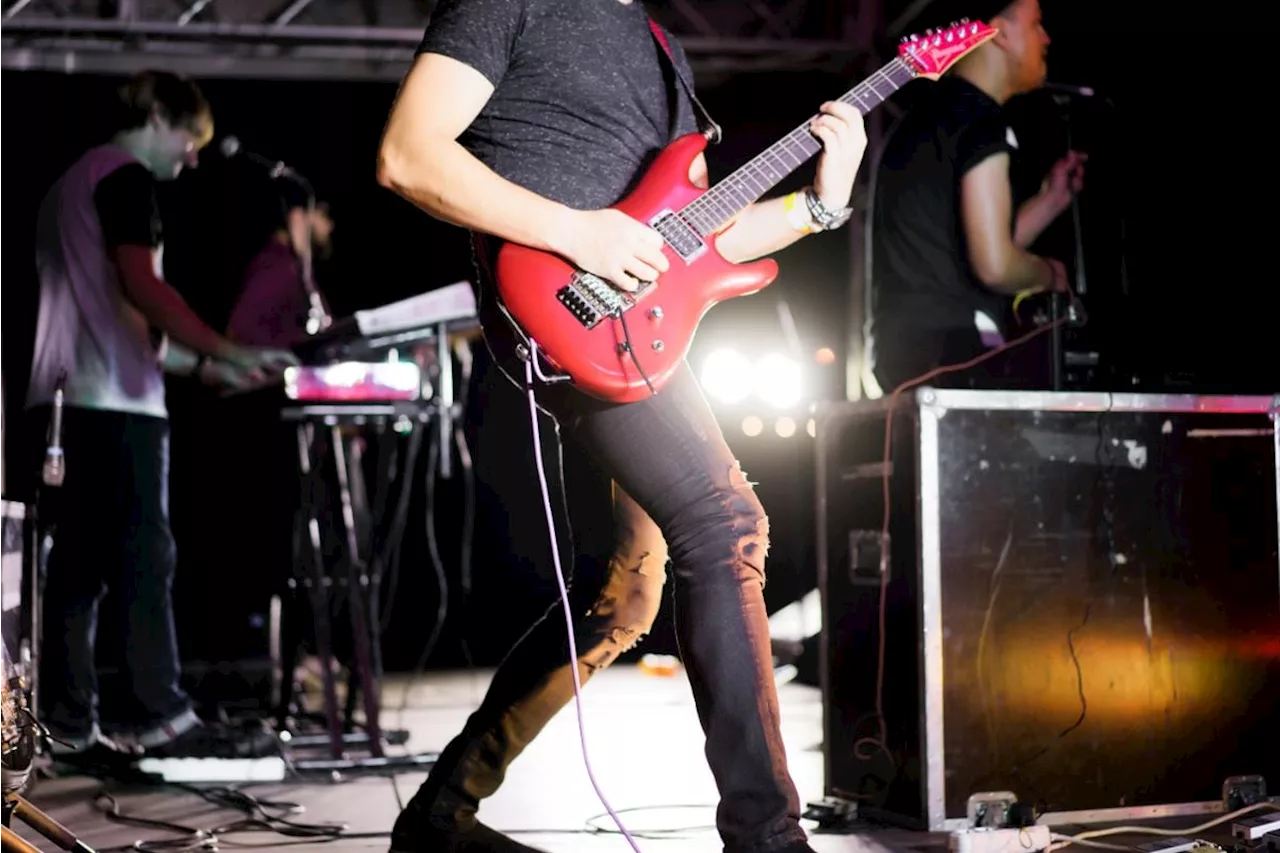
881, 742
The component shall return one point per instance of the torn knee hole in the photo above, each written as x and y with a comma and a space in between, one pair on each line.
647, 563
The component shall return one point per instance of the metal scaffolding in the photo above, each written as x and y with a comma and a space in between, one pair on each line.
375, 39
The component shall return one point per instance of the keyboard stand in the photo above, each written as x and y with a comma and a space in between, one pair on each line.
326, 440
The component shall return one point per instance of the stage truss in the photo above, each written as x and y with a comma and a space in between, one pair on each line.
375, 39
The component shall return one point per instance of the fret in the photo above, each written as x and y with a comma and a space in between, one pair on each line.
709, 212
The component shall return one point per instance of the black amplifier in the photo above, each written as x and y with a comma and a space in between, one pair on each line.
1077, 600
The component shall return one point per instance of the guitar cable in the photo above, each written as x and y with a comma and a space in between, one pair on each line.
881, 741
631, 351
529, 368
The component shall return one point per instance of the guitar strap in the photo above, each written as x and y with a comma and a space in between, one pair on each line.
706, 123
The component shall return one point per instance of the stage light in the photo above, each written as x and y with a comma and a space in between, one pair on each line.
778, 381
785, 427
825, 356
752, 426
812, 428
726, 375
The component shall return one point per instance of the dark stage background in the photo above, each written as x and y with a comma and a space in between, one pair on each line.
1168, 170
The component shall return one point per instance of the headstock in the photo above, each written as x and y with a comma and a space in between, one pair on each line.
937, 50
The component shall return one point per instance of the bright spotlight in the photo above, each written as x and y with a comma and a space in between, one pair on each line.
726, 375
752, 426
812, 428
778, 381
785, 427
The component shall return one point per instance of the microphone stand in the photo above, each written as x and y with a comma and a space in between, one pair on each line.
1082, 281
24, 698
1081, 286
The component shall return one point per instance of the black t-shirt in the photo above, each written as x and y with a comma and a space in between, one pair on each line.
921, 280
126, 204
583, 95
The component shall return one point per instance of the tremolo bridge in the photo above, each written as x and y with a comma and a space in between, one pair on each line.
591, 298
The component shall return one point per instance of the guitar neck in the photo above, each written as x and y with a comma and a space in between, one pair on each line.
712, 210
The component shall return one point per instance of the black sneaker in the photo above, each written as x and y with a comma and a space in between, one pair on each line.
414, 832
100, 754
206, 741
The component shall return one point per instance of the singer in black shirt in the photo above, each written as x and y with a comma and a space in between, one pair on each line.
948, 247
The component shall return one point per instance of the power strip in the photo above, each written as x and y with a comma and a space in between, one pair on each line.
1253, 828
1024, 839
269, 769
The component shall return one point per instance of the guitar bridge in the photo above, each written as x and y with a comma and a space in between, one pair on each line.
590, 298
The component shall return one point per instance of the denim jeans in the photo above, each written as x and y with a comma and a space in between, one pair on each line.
112, 532
678, 492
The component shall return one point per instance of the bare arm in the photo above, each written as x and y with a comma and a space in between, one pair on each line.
765, 227
761, 229
180, 360
986, 205
420, 159
1060, 186
165, 309
1034, 215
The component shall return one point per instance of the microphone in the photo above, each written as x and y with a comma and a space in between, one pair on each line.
55, 466
230, 147
1063, 93
1070, 89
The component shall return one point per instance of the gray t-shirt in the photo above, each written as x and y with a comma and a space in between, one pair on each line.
86, 326
584, 98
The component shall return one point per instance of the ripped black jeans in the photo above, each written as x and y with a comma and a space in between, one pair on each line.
678, 490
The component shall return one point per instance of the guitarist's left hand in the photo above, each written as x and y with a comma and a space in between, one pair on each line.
844, 142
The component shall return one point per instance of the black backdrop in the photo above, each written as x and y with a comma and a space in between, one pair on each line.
1165, 161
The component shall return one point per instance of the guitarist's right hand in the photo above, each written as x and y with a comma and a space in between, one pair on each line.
615, 247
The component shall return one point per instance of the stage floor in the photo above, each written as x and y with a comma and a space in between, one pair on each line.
645, 748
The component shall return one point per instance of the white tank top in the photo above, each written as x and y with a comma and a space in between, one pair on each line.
86, 326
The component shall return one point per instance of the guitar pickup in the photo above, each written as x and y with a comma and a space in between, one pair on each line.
679, 235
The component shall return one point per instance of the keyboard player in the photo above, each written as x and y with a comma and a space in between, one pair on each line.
272, 306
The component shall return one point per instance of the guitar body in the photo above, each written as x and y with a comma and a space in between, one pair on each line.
569, 318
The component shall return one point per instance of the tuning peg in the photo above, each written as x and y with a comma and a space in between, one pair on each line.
964, 20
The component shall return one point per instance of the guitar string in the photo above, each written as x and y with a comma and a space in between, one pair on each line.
795, 136
701, 214
707, 202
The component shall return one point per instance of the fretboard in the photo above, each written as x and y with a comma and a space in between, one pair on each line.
709, 212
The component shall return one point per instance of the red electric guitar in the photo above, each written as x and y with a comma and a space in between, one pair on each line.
622, 346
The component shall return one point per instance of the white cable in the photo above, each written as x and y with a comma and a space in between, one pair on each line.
564, 591
1149, 830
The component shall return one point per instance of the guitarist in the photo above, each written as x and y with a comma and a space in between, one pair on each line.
948, 248
524, 120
